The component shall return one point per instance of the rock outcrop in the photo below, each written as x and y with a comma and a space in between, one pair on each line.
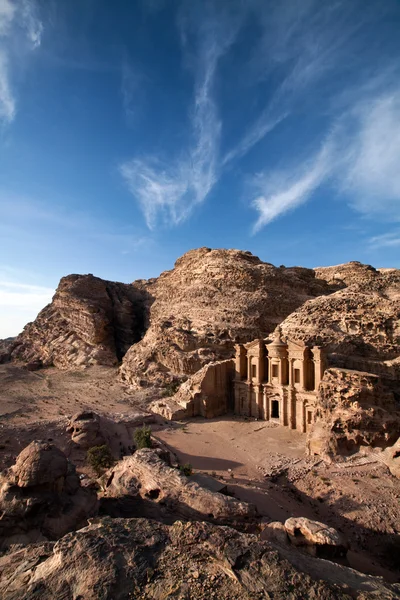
167, 328
89, 321
314, 537
354, 410
208, 302
152, 488
358, 326
137, 558
41, 497
206, 394
85, 430
317, 538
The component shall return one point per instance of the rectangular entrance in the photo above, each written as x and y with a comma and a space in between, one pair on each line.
275, 409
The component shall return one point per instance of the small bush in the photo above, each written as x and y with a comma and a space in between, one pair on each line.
142, 437
171, 389
100, 458
186, 469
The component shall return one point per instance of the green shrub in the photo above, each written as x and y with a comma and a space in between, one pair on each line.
100, 458
186, 469
171, 388
142, 437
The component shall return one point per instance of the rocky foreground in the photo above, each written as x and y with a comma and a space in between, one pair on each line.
122, 558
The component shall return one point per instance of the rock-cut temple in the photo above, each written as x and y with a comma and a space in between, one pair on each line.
278, 381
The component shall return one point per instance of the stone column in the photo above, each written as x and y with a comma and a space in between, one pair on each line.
249, 369
259, 396
303, 374
318, 365
248, 408
240, 362
266, 404
292, 407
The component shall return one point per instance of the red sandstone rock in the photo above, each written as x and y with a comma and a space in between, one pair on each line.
89, 321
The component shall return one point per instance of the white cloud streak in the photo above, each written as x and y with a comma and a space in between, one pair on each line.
171, 189
295, 191
386, 240
361, 157
20, 32
300, 46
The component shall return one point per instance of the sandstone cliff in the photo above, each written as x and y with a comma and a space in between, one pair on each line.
354, 410
359, 325
169, 327
89, 321
209, 301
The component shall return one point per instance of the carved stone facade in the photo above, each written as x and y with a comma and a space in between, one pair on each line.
278, 381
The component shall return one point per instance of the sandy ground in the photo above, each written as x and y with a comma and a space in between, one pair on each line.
51, 394
260, 462
265, 464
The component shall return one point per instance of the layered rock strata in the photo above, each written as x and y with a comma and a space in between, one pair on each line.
137, 558
89, 321
208, 302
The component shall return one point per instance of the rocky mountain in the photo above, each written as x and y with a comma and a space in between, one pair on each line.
209, 301
358, 325
89, 321
169, 327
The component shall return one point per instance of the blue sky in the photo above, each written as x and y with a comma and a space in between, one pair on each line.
133, 131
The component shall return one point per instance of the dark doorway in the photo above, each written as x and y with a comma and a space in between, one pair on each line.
275, 409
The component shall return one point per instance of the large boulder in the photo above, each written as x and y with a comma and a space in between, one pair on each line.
164, 491
38, 464
119, 559
317, 538
41, 497
391, 458
85, 429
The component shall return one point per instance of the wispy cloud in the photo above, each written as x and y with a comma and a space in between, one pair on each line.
20, 31
386, 240
168, 190
300, 47
280, 193
361, 157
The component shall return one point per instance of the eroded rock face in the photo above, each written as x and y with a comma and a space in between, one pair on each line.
169, 327
354, 410
358, 326
126, 558
209, 301
164, 491
206, 393
41, 497
89, 321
